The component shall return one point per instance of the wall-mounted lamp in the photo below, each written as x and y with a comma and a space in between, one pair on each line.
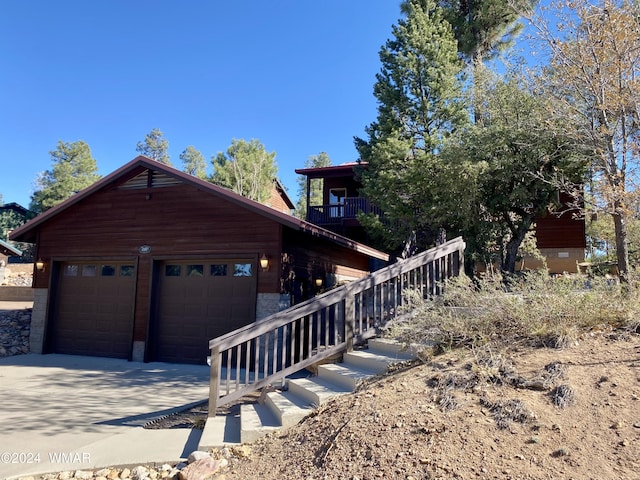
40, 265
264, 262
318, 282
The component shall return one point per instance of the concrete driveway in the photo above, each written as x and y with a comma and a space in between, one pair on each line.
65, 412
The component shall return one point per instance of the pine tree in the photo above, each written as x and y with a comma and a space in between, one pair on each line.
155, 146
419, 93
73, 170
193, 162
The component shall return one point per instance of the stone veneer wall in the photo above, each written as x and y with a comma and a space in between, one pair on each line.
270, 303
36, 335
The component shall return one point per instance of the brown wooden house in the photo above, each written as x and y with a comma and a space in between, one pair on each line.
150, 263
561, 238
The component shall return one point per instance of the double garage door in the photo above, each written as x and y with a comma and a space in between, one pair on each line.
194, 301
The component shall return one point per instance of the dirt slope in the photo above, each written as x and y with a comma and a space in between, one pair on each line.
527, 414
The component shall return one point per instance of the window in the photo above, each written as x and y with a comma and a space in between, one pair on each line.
336, 197
219, 270
107, 270
126, 270
172, 270
89, 270
71, 270
242, 270
195, 270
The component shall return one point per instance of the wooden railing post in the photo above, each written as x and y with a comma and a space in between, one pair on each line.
214, 381
349, 317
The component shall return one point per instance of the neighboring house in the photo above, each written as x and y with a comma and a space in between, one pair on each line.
150, 263
560, 237
6, 251
279, 198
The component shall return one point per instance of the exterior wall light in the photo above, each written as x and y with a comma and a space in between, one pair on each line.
264, 263
318, 282
40, 265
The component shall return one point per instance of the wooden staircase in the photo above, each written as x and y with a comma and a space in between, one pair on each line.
300, 395
337, 323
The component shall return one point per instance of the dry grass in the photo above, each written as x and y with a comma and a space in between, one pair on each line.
533, 310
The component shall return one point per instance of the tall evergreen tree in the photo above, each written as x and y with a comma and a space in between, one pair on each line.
73, 170
155, 146
484, 28
315, 190
247, 169
193, 162
419, 94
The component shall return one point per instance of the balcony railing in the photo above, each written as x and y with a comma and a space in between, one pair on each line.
336, 213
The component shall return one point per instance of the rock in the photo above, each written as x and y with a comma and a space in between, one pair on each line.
113, 475
139, 473
241, 451
203, 469
126, 473
64, 476
83, 474
104, 472
197, 455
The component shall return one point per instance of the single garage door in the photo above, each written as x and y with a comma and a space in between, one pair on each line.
199, 300
94, 309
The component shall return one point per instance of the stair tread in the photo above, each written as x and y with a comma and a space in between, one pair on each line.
285, 400
322, 389
255, 415
381, 356
219, 431
351, 371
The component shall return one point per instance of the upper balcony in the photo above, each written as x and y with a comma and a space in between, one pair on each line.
338, 213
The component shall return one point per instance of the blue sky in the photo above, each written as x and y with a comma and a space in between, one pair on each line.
296, 75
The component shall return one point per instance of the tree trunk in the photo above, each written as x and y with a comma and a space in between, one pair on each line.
622, 251
511, 250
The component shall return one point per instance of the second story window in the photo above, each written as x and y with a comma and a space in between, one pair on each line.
336, 201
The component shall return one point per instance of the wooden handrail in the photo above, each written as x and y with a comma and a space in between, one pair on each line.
264, 352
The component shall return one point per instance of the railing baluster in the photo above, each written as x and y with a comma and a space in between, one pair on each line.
328, 324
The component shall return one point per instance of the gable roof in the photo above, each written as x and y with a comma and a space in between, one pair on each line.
143, 172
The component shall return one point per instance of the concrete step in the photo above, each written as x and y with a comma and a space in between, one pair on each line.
348, 378
315, 390
392, 348
375, 362
248, 422
256, 421
288, 408
220, 431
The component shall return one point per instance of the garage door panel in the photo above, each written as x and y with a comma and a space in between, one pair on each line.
192, 309
94, 314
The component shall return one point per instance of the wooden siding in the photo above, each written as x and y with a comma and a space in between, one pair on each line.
306, 258
175, 221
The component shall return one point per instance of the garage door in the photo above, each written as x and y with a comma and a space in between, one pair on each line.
94, 309
200, 300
